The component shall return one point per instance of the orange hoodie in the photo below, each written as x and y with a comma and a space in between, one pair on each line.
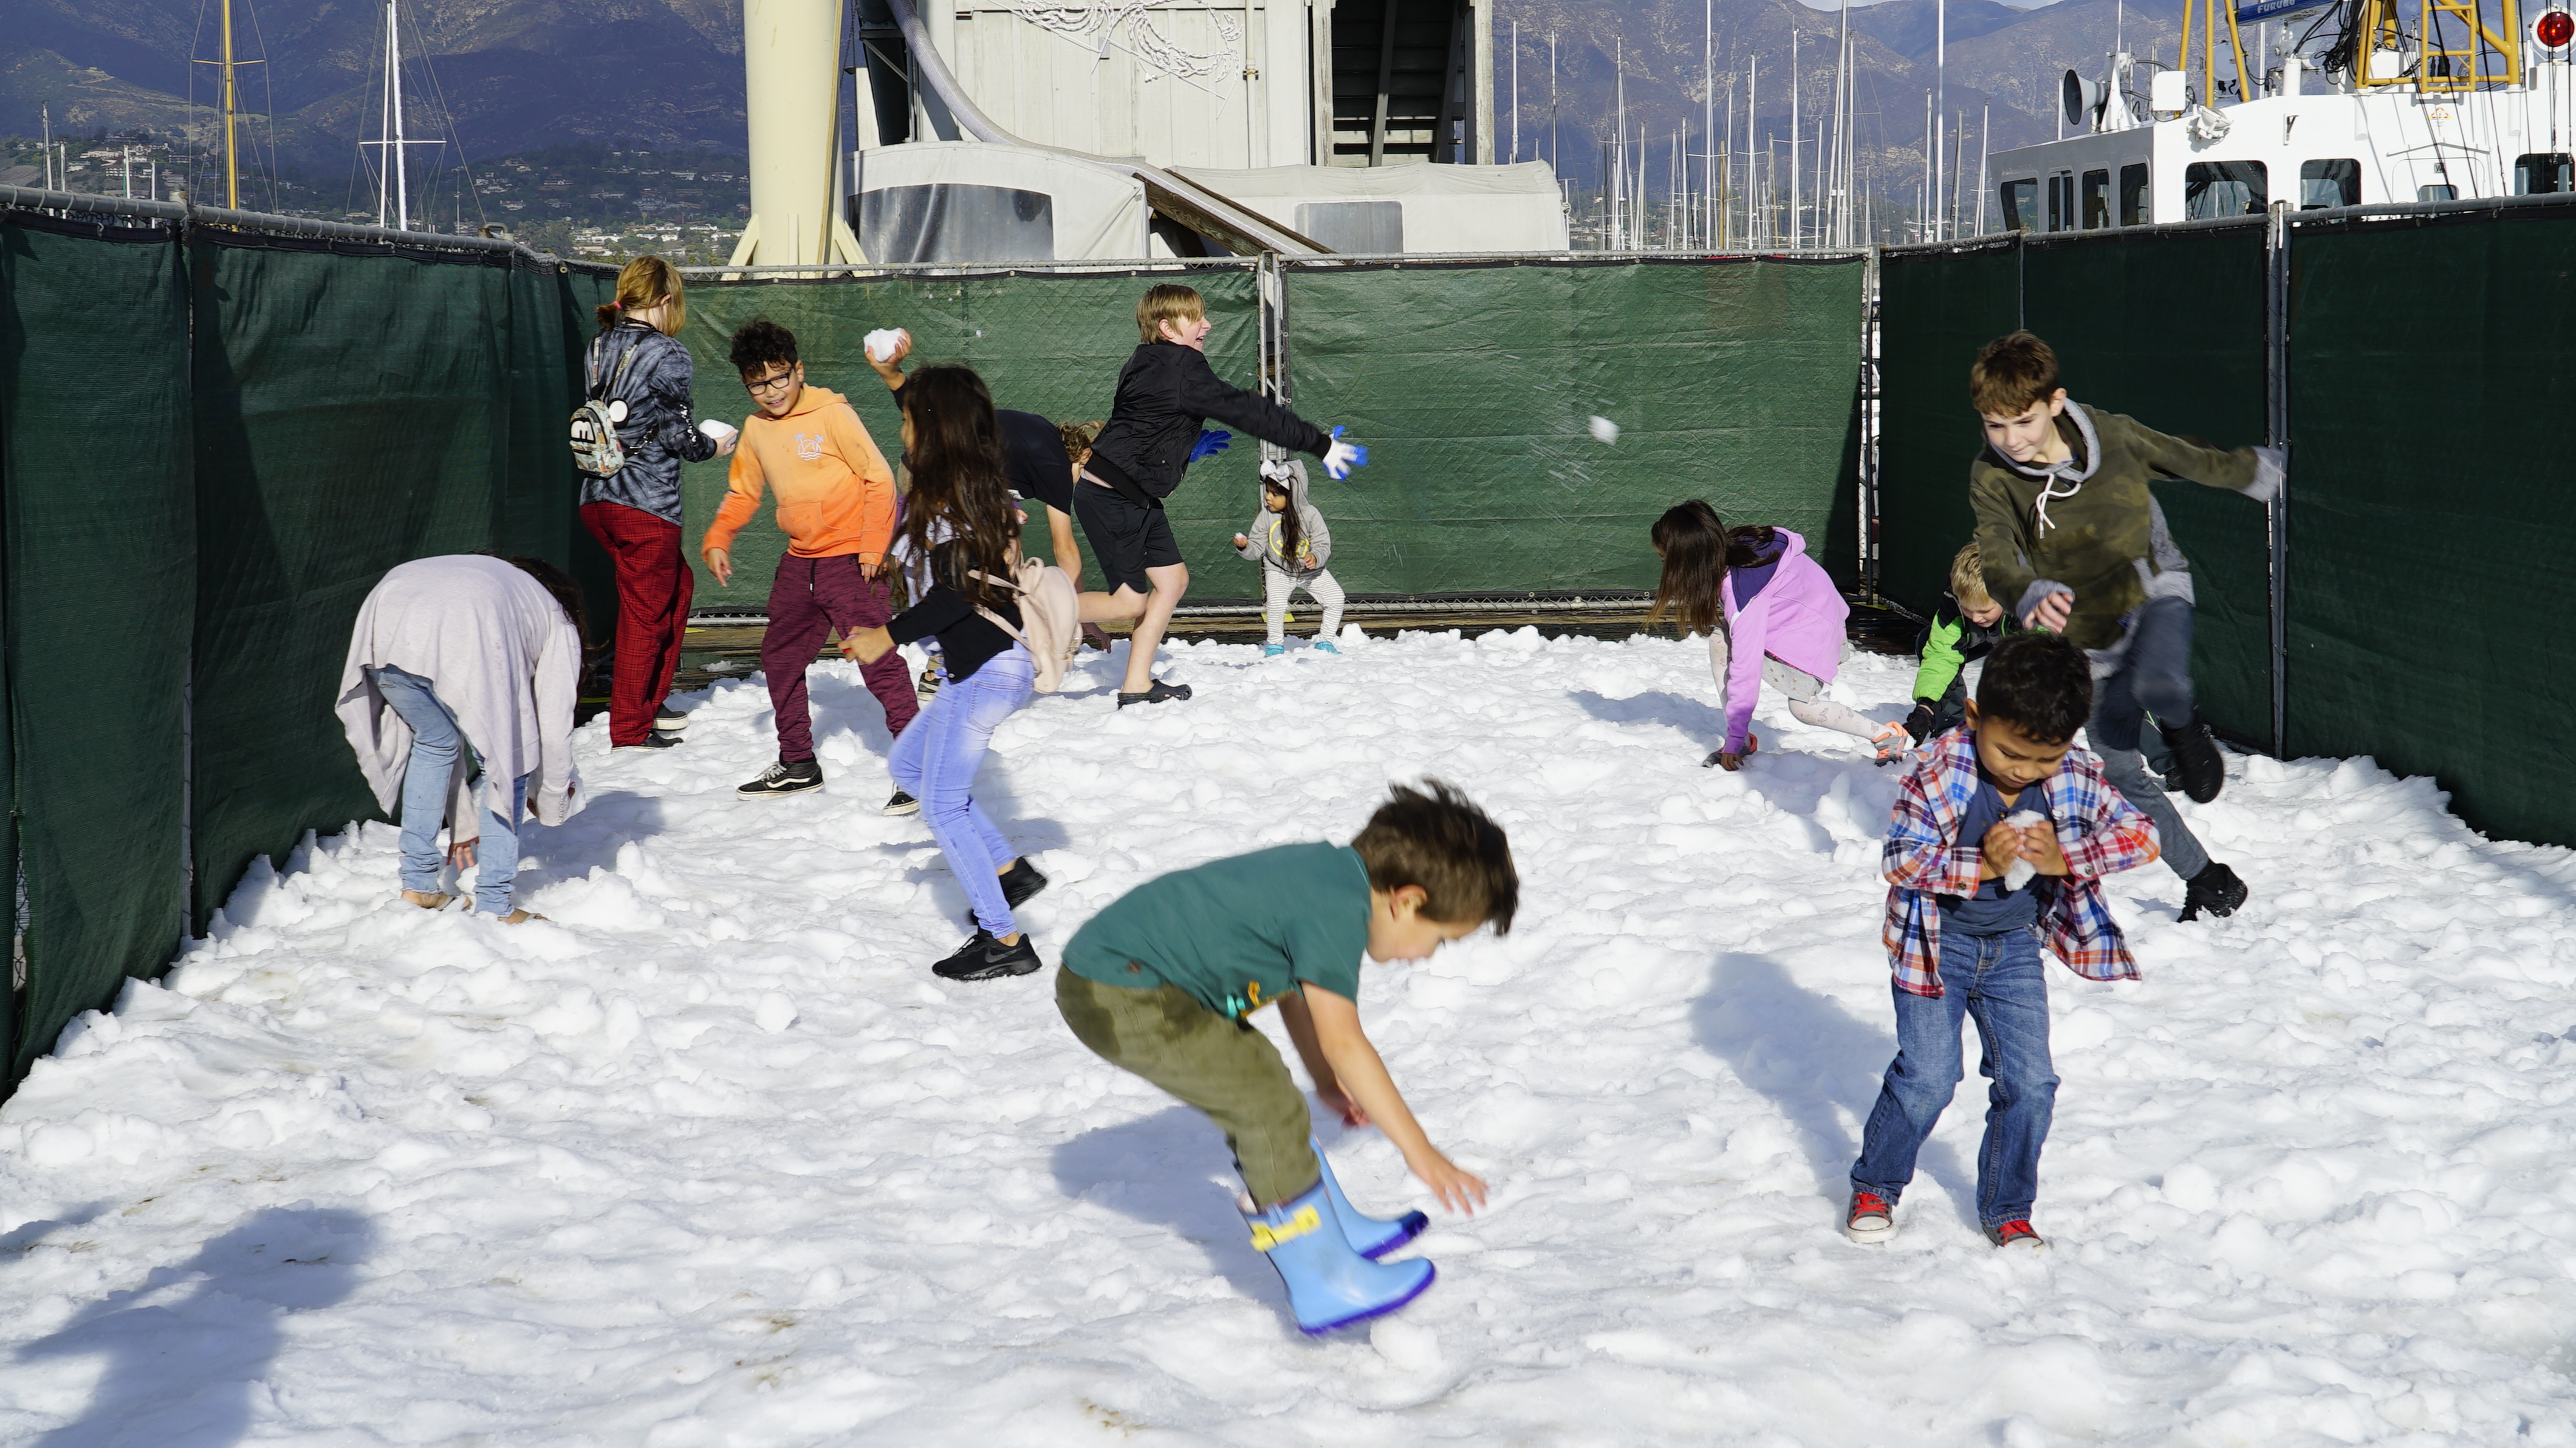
835, 492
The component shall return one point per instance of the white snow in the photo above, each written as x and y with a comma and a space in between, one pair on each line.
712, 1159
1604, 430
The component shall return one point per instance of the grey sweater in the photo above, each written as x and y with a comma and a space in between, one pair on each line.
658, 432
1265, 537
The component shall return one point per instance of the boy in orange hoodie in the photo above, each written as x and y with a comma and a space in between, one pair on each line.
836, 504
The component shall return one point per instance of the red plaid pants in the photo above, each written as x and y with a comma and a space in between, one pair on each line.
654, 585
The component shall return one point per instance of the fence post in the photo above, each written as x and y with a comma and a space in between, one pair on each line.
2276, 426
1870, 387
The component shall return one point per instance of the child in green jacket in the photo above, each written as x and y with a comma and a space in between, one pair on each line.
1161, 982
1965, 626
2072, 541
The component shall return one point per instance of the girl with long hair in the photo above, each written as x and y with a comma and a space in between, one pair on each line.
1771, 616
640, 369
1290, 542
959, 542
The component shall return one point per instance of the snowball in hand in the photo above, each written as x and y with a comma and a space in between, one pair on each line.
882, 342
1604, 430
2018, 873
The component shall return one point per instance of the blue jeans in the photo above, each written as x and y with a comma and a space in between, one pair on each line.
2153, 677
435, 740
1996, 979
934, 761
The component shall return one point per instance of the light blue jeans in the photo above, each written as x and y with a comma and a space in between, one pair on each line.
934, 761
435, 739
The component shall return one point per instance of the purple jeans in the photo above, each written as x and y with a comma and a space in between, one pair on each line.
809, 598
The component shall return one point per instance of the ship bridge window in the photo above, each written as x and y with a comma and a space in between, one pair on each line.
2097, 200
2329, 183
2021, 205
2212, 189
2134, 207
2544, 173
948, 223
2061, 202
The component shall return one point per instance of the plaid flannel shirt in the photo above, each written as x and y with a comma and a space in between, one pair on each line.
2099, 832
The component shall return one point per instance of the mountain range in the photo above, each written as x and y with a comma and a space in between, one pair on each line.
517, 74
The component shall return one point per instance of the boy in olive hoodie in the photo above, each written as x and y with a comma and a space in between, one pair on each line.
2072, 540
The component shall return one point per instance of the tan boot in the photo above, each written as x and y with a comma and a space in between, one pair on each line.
520, 917
427, 899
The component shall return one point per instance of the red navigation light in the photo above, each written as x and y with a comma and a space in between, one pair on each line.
2554, 29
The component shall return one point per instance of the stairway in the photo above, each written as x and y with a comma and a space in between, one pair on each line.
1399, 83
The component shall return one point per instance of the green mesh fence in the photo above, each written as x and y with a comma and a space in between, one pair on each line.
1045, 343
1476, 389
94, 461
2428, 502
1935, 309
2168, 328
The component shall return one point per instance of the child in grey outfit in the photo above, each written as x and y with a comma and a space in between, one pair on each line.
1290, 542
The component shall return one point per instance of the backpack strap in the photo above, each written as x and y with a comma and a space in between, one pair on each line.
598, 392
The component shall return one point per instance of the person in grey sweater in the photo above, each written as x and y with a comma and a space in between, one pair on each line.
1289, 540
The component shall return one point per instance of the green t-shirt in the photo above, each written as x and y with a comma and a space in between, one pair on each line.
1236, 933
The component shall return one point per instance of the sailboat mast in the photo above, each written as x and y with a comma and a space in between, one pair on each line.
393, 97
232, 158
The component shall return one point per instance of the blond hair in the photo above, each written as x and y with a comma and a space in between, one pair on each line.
1169, 302
641, 283
1968, 579
1078, 437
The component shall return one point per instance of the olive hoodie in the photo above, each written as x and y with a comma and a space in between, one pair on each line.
2090, 525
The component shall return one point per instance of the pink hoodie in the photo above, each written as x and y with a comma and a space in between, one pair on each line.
1797, 618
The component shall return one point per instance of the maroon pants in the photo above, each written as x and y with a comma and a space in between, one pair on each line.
809, 598
653, 589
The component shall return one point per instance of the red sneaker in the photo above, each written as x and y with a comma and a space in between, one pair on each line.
2016, 1234
1872, 1219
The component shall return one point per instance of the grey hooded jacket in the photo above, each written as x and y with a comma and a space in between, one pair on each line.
1264, 537
658, 432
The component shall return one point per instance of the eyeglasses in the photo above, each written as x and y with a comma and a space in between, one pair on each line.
770, 384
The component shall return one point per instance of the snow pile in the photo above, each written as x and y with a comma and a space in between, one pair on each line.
712, 1159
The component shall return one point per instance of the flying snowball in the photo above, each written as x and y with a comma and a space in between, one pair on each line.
1604, 430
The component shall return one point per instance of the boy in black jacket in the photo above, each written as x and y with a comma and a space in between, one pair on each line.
1166, 393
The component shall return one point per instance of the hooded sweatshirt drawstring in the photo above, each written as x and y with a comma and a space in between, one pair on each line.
2052, 476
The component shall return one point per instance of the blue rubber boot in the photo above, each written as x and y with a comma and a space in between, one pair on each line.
1329, 1285
1327, 646
1371, 1237
1272, 651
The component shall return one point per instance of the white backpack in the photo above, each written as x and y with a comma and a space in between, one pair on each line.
596, 448
1050, 614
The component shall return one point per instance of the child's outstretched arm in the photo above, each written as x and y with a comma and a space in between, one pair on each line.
1209, 395
1348, 1072
2253, 471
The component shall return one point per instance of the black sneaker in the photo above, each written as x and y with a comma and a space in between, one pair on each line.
2215, 889
783, 779
2197, 762
1021, 883
984, 958
658, 739
667, 720
1155, 695
902, 804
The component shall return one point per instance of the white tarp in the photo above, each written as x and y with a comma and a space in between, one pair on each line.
973, 201
1444, 208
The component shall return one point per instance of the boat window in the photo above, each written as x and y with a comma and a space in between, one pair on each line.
2544, 173
1359, 228
2061, 202
2437, 193
2329, 183
945, 223
2097, 200
2212, 189
2134, 208
2021, 205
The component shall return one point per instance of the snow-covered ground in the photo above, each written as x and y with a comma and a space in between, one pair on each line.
712, 1159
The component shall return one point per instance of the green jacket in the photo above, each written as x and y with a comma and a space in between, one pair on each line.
2091, 527
1949, 641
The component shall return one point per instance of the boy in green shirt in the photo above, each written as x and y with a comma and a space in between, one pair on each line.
1161, 982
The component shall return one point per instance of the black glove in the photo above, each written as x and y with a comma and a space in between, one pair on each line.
1919, 723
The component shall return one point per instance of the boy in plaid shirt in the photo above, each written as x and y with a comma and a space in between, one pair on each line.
1964, 942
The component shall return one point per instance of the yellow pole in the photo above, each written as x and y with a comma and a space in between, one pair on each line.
2182, 57
232, 163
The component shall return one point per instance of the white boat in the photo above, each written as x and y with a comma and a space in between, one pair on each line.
2361, 109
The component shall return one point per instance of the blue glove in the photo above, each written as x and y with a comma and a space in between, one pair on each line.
1211, 441
1342, 456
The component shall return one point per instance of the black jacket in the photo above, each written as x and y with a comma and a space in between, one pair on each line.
1166, 393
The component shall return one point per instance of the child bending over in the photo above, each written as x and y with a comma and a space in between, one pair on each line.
1160, 982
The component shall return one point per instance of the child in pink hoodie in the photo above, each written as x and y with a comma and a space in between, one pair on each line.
1771, 616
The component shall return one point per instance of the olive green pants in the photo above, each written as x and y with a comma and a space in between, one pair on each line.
1229, 1071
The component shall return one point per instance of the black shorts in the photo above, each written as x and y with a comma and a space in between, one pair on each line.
1125, 539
